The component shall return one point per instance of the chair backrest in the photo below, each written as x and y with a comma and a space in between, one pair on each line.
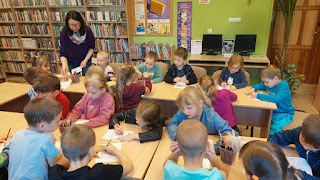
164, 67
199, 71
115, 67
217, 73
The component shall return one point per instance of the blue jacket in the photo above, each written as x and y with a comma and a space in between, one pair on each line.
280, 94
288, 137
239, 78
172, 73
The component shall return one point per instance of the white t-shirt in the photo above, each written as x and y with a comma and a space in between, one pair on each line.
108, 71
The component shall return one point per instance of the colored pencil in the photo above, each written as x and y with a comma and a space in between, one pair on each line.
221, 79
8, 134
109, 142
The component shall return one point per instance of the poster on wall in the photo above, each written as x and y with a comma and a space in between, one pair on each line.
158, 17
140, 17
204, 1
184, 21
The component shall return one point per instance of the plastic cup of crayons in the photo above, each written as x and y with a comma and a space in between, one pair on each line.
64, 124
227, 155
75, 78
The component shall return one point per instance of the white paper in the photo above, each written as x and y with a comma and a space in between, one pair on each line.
105, 157
81, 121
300, 163
180, 85
111, 134
76, 70
1, 147
58, 144
65, 84
196, 46
220, 87
253, 98
206, 163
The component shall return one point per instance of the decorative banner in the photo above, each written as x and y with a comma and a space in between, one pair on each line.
158, 16
204, 1
184, 24
140, 18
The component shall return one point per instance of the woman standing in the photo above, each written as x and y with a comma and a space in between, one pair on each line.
77, 44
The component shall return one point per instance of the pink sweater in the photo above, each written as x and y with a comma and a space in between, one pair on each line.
98, 111
223, 106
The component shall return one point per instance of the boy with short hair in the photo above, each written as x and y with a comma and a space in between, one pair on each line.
150, 67
77, 145
48, 86
103, 61
30, 75
193, 144
32, 149
279, 93
180, 71
307, 141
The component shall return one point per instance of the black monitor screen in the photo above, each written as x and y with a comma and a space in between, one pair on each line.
212, 42
245, 42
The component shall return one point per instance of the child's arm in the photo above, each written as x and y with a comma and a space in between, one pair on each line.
286, 138
223, 76
215, 160
154, 134
4, 156
236, 143
169, 76
124, 160
173, 125
192, 77
158, 74
283, 92
233, 96
148, 84
65, 107
51, 152
243, 81
139, 70
175, 153
78, 110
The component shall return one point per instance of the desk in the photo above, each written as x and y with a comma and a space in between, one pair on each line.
140, 154
155, 170
221, 61
248, 112
13, 96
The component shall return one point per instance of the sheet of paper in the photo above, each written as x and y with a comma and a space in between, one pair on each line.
206, 163
220, 87
65, 84
111, 134
180, 85
300, 163
76, 70
253, 98
105, 157
58, 144
1, 147
81, 121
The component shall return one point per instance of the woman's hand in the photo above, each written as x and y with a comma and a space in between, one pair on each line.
83, 64
64, 71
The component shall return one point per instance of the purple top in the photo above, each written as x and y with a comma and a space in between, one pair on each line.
223, 106
73, 52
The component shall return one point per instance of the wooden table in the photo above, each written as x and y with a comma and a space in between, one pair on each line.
13, 96
248, 111
155, 170
140, 154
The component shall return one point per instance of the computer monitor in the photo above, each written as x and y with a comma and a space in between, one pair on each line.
245, 43
211, 43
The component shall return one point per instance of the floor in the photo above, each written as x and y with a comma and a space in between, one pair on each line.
302, 100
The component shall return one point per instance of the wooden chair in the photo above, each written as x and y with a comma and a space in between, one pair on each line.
199, 71
164, 67
297, 120
216, 75
115, 67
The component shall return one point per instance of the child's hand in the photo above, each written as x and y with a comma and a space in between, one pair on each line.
226, 137
224, 84
130, 137
117, 129
209, 151
232, 88
145, 74
97, 148
110, 149
139, 74
177, 79
254, 95
250, 92
174, 148
184, 80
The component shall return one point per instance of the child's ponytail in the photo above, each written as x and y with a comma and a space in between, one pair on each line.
192, 95
208, 85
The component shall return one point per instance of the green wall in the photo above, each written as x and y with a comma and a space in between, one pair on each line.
255, 19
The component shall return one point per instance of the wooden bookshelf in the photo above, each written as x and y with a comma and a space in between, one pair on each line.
46, 12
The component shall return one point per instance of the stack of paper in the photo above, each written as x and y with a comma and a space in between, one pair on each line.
111, 134
105, 157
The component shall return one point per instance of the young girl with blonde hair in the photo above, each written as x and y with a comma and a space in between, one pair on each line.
195, 104
221, 100
42, 62
97, 105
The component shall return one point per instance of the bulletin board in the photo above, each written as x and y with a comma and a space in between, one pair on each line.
153, 17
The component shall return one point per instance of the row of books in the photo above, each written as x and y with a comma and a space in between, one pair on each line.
34, 29
105, 2
6, 16
117, 45
15, 67
65, 3
106, 16
29, 2
32, 15
139, 50
109, 30
9, 29
4, 4
9, 42
119, 58
11, 55
56, 30
29, 54
36, 43
1, 74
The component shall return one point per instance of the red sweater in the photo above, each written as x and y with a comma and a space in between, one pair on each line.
131, 95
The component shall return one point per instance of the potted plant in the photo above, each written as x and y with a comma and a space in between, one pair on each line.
293, 79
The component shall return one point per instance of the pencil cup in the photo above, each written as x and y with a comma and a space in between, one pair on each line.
64, 124
75, 78
227, 156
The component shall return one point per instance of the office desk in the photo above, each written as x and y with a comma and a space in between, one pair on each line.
140, 154
221, 61
248, 112
155, 170
13, 96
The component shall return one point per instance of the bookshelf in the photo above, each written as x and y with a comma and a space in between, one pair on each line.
29, 28
164, 52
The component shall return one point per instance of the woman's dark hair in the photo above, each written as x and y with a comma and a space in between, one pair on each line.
75, 16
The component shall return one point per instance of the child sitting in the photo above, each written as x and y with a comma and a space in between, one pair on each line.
103, 61
77, 145
48, 86
4, 159
32, 149
42, 62
150, 67
233, 75
148, 115
307, 141
220, 100
279, 93
97, 105
30, 75
195, 104
193, 145
180, 71
95, 69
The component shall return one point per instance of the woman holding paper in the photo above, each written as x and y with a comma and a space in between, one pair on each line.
76, 44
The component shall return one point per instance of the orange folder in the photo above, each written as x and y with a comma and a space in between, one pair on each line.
157, 7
